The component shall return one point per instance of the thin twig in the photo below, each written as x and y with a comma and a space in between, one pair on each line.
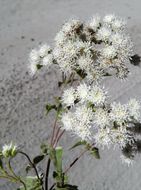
47, 174
58, 138
34, 167
14, 174
75, 160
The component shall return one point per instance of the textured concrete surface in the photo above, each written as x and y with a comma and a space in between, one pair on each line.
23, 25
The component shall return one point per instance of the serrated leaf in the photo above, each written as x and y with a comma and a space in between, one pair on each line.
78, 144
38, 159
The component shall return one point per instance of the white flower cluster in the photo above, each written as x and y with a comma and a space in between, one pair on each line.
89, 116
92, 50
94, 46
41, 57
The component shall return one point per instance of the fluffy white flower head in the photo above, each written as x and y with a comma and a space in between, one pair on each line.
109, 52
101, 118
95, 22
108, 19
69, 96
119, 112
82, 91
133, 107
44, 50
67, 120
97, 95
103, 33
47, 60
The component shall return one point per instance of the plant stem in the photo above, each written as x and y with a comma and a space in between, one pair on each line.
75, 160
33, 166
54, 128
15, 176
58, 138
70, 166
47, 174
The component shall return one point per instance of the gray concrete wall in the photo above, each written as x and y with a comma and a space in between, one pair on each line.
23, 25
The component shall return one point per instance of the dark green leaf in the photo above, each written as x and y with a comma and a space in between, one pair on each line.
95, 152
39, 66
28, 168
38, 159
44, 149
1, 164
50, 107
78, 144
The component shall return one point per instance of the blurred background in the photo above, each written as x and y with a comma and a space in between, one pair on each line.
24, 24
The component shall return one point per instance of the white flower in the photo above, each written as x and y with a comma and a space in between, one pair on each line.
47, 60
103, 34
117, 39
84, 114
67, 120
84, 62
109, 52
32, 68
71, 26
82, 91
120, 136
133, 107
60, 38
118, 24
118, 112
34, 56
44, 50
108, 19
9, 150
83, 131
95, 22
101, 117
102, 138
126, 160
69, 97
97, 95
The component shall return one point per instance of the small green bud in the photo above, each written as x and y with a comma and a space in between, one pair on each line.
9, 150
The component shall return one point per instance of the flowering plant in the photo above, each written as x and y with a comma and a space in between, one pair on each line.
85, 53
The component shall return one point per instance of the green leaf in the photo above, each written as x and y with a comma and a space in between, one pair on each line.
50, 107
44, 149
38, 159
81, 73
32, 183
39, 66
1, 164
78, 144
28, 168
59, 155
95, 152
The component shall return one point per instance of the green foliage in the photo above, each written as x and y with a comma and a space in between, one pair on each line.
38, 159
32, 183
44, 149
78, 144
50, 107
39, 66
1, 164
